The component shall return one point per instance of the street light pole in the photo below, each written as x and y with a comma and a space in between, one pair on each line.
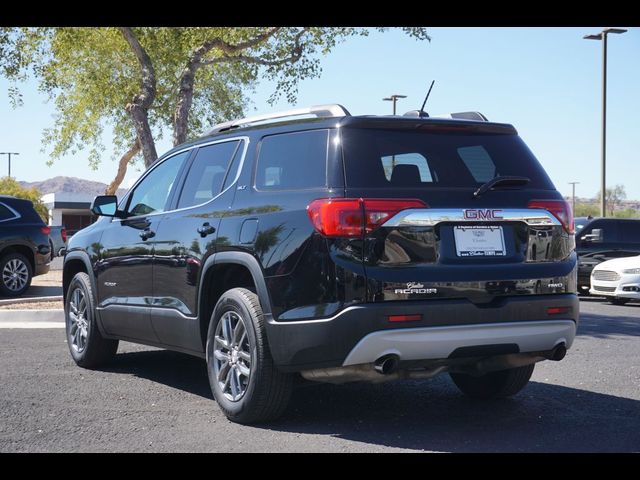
573, 196
9, 155
394, 98
603, 182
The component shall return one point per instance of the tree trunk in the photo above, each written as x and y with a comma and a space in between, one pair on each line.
122, 168
183, 107
143, 130
139, 107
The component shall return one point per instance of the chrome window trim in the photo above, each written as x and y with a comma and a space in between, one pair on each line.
244, 139
427, 217
12, 210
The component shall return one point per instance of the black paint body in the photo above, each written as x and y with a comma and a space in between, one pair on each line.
306, 282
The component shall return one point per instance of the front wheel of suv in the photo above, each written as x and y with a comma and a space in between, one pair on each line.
87, 346
500, 384
244, 381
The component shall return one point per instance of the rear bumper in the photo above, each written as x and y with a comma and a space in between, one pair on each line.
42, 263
446, 326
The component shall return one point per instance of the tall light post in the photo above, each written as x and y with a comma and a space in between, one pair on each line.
573, 196
394, 98
603, 183
9, 154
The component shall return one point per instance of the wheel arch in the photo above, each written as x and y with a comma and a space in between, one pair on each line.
75, 262
223, 271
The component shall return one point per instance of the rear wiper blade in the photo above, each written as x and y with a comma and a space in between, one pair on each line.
501, 182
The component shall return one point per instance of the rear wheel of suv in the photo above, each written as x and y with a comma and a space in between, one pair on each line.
88, 347
502, 383
244, 381
15, 274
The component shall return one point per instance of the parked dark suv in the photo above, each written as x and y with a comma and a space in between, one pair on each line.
24, 245
342, 248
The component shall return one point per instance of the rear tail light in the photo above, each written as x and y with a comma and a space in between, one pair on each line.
46, 230
63, 234
559, 208
353, 217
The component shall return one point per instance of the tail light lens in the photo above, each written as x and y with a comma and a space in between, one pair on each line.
46, 230
559, 208
63, 234
353, 217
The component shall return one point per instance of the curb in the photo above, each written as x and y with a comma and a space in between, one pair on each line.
18, 301
32, 319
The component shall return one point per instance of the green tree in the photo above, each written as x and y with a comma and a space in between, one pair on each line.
143, 82
586, 209
9, 186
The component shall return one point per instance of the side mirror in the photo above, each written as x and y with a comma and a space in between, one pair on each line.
105, 206
595, 236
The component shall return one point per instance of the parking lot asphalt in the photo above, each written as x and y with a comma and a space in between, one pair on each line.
153, 400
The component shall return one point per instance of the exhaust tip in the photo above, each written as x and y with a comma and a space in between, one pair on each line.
386, 364
559, 352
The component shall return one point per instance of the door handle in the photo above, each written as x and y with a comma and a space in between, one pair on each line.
146, 234
206, 229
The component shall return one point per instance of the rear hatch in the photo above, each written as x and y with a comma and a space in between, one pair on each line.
430, 232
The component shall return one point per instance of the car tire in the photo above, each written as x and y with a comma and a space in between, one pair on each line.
499, 384
89, 349
16, 274
619, 301
243, 378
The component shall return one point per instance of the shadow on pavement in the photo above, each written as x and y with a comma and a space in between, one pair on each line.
173, 369
429, 415
601, 326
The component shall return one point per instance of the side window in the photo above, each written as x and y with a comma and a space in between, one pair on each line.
152, 194
5, 213
207, 173
293, 161
406, 169
478, 162
629, 231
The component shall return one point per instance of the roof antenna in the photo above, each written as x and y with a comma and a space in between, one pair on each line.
421, 112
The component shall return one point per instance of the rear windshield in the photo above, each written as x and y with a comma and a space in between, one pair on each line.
400, 159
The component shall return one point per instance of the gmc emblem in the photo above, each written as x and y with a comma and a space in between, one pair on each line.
479, 214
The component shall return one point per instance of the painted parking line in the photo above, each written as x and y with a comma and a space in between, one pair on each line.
32, 318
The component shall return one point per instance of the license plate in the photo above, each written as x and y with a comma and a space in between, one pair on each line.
479, 241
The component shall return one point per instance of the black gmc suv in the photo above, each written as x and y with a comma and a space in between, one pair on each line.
25, 247
341, 248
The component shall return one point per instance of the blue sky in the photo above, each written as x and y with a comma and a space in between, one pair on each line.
545, 81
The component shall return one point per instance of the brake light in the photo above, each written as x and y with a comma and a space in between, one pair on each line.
63, 234
559, 208
46, 230
353, 217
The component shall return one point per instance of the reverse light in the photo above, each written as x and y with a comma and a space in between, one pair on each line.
559, 209
353, 217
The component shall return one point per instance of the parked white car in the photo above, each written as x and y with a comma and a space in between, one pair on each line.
618, 280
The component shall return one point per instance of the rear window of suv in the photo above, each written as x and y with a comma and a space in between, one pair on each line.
377, 158
293, 161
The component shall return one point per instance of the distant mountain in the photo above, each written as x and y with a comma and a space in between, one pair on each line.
71, 185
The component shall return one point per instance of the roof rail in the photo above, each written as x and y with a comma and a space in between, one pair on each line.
320, 111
